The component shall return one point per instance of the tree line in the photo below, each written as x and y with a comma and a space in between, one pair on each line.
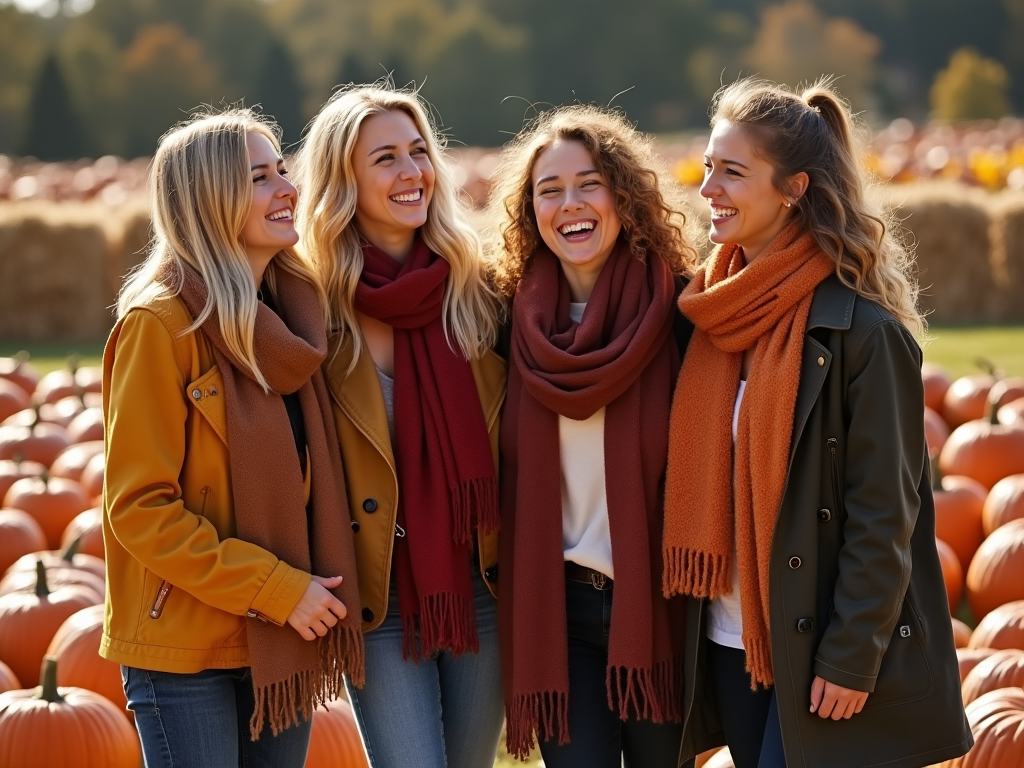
112, 79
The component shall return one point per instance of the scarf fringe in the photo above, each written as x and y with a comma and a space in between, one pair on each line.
474, 505
698, 574
546, 713
280, 704
759, 661
445, 622
651, 694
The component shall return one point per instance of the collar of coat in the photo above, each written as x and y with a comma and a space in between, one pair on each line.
832, 305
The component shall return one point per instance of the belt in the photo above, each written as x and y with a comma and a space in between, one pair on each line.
577, 572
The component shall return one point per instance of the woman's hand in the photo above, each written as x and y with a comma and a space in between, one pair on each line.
831, 700
318, 610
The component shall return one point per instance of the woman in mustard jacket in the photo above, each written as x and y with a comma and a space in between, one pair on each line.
416, 392
226, 605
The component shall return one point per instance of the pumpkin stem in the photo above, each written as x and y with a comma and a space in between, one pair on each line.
936, 474
988, 367
71, 549
47, 690
17, 459
73, 363
42, 588
45, 477
37, 420
21, 358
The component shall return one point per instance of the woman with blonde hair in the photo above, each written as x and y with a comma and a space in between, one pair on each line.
590, 251
799, 514
416, 393
230, 568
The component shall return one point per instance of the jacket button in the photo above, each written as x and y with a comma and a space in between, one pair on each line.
824, 515
355, 527
802, 625
491, 574
367, 615
196, 394
370, 506
795, 562
821, 361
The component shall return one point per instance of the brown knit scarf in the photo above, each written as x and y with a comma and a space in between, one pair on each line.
291, 676
710, 494
443, 454
622, 357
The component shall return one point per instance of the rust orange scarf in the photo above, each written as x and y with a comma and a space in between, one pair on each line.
710, 493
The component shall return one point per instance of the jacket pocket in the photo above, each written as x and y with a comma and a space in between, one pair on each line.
904, 674
837, 496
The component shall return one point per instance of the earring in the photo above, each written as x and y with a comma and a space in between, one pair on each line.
789, 205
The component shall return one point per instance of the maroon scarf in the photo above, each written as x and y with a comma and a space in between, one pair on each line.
445, 465
622, 357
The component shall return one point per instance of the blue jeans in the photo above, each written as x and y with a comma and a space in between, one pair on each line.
442, 712
201, 720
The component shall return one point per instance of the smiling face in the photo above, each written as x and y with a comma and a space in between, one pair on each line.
269, 226
746, 208
394, 179
576, 214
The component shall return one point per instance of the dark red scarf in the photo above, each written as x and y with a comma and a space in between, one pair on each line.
445, 466
622, 357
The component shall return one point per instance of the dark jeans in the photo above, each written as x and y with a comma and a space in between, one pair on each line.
750, 718
598, 738
201, 720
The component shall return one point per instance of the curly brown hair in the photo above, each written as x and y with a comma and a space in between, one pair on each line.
649, 202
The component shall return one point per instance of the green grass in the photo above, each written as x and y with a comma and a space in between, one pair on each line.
48, 356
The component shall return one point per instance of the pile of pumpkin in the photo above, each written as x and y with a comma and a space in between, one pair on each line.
53, 586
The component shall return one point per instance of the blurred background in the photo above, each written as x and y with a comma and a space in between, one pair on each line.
88, 86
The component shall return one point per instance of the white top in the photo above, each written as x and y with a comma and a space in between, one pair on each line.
725, 619
586, 539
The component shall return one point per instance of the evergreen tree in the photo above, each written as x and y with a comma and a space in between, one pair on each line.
54, 130
280, 93
352, 70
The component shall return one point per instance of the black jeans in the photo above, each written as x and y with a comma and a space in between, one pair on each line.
750, 718
598, 738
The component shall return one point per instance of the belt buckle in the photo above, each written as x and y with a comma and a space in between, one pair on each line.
598, 580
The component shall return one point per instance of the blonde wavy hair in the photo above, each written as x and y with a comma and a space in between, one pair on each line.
813, 132
200, 187
333, 245
649, 202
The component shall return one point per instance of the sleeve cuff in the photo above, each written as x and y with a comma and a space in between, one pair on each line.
849, 680
281, 593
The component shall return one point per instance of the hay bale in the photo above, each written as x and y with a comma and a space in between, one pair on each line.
949, 228
128, 244
1008, 256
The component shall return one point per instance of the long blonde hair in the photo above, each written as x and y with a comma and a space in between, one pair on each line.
327, 206
200, 190
813, 132
648, 200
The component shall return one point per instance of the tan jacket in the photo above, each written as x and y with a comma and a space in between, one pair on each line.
168, 512
370, 473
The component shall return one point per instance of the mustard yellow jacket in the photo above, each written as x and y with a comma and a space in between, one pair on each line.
168, 513
370, 473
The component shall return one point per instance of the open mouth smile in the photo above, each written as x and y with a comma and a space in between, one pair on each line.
722, 212
285, 214
577, 230
413, 196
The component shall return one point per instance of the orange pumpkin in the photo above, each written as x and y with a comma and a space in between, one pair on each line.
952, 573
1012, 412
51, 727
57, 578
39, 441
62, 412
997, 722
88, 425
29, 620
996, 575
92, 477
18, 370
984, 450
1003, 669
12, 399
12, 471
936, 383
961, 633
334, 739
936, 433
8, 680
73, 460
966, 399
68, 381
76, 646
87, 529
1003, 392
53, 502
1002, 628
968, 658
1005, 502
68, 558
958, 504
19, 535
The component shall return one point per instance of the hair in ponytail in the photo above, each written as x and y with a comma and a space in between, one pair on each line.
812, 132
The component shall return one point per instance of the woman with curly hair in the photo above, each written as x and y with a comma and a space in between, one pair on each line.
590, 252
799, 514
416, 393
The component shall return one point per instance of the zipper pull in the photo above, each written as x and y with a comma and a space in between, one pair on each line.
161, 599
